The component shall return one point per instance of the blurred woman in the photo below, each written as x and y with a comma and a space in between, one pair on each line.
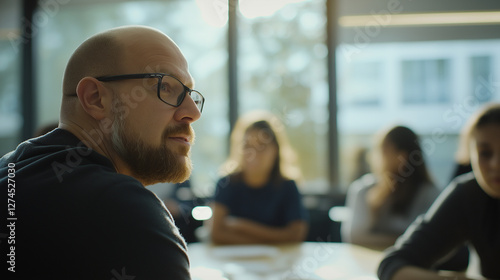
257, 201
384, 203
468, 211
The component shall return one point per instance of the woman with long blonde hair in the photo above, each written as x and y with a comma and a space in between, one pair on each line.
257, 199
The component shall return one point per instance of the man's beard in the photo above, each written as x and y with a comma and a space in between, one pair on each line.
149, 164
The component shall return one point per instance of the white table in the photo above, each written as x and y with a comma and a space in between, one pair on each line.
309, 260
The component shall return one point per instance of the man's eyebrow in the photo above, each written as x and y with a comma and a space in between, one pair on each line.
185, 79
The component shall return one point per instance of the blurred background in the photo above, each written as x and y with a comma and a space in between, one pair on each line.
334, 71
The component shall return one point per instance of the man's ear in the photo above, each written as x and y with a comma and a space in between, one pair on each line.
95, 99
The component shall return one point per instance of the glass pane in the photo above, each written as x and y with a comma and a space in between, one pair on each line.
10, 76
481, 77
426, 81
203, 43
282, 60
367, 93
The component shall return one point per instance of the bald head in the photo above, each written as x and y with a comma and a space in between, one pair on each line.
95, 57
111, 53
124, 119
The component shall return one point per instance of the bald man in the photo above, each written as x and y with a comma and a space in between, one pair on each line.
79, 206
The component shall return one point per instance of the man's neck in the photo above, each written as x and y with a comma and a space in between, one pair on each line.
96, 139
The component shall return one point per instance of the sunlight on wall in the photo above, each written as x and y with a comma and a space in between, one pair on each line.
262, 8
214, 12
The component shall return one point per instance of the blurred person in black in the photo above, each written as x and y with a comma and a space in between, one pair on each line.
467, 211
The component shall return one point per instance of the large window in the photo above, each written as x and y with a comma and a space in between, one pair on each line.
278, 70
426, 81
282, 69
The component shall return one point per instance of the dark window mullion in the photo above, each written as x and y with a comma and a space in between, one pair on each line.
333, 150
28, 97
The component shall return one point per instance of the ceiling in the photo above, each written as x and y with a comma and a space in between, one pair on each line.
379, 31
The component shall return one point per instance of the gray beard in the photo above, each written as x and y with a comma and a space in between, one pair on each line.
149, 165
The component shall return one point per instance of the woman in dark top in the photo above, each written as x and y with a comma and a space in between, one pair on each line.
257, 201
468, 211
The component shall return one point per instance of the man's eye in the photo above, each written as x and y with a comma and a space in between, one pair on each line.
165, 87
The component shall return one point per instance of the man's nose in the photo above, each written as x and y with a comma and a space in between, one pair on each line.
188, 111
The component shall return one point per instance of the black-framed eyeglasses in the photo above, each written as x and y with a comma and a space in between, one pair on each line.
169, 89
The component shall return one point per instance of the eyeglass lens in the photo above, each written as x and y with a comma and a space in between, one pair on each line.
172, 92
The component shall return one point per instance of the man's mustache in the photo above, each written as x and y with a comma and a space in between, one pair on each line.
184, 129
